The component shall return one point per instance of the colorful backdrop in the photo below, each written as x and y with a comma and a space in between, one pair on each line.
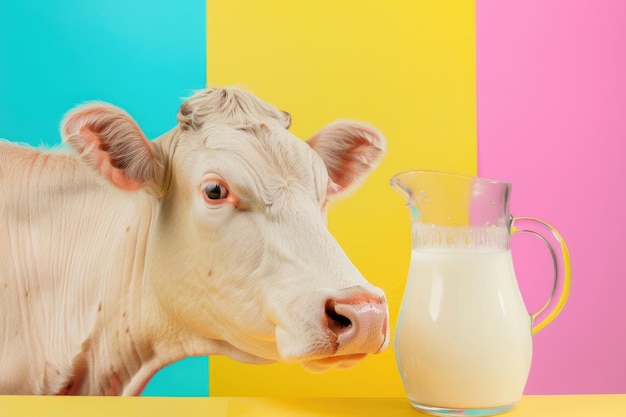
532, 92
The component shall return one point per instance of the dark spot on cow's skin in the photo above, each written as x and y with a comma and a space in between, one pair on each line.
26, 293
124, 315
128, 330
99, 307
128, 229
209, 274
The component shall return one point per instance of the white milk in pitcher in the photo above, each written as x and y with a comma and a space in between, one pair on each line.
464, 335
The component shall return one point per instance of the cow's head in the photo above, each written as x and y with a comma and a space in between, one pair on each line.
240, 251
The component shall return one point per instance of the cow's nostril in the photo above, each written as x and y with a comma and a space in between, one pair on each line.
337, 323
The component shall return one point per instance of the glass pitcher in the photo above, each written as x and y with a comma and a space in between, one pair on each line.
463, 338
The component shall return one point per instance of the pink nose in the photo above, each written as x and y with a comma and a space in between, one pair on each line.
360, 323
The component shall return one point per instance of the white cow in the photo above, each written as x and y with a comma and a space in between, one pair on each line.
211, 239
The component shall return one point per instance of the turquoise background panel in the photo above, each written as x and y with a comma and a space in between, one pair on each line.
144, 56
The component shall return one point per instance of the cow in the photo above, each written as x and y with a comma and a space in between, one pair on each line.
120, 255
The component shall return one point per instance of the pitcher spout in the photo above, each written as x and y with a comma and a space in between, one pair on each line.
402, 189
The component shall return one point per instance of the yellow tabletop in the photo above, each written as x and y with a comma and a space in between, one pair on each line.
529, 406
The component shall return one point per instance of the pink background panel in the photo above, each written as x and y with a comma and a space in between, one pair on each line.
552, 120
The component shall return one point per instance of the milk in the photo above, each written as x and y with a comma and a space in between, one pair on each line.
464, 336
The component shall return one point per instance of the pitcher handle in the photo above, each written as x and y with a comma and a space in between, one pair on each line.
562, 268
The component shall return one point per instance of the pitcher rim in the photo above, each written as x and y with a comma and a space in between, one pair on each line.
449, 173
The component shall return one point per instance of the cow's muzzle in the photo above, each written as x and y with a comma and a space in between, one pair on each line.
358, 324
338, 329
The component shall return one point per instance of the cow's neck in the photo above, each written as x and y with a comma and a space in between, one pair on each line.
129, 346
114, 342
127, 338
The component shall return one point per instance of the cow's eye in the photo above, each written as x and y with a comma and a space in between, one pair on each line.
215, 191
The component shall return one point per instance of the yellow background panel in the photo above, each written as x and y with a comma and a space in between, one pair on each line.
408, 67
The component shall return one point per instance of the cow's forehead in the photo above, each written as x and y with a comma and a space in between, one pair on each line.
269, 153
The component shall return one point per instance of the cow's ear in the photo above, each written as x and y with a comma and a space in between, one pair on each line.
112, 143
350, 150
